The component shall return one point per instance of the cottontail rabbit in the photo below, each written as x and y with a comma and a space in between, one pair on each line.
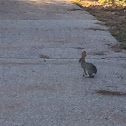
89, 69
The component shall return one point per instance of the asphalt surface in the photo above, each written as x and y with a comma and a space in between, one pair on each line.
41, 82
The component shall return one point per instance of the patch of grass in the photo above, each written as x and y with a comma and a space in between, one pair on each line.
117, 2
112, 15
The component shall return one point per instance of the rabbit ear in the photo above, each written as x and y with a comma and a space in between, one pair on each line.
84, 54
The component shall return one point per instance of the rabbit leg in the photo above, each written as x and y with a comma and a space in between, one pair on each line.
91, 76
85, 73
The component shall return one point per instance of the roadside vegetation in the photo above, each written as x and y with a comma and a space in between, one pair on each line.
112, 13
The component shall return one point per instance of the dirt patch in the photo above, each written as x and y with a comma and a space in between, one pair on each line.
115, 48
119, 117
110, 93
96, 29
44, 56
97, 53
50, 88
23, 63
112, 15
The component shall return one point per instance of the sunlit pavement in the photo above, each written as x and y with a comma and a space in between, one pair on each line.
41, 82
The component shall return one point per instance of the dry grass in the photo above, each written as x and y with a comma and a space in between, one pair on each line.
112, 15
